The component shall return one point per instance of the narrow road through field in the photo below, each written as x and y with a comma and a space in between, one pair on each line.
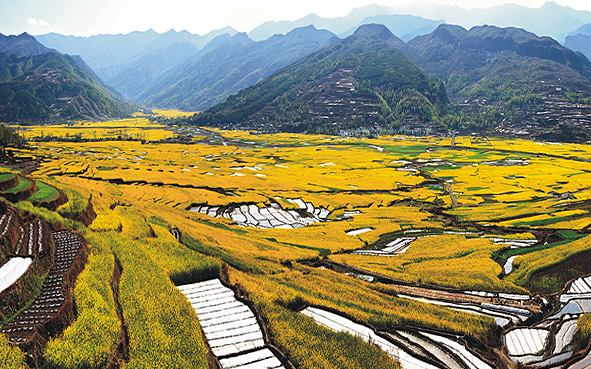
454, 202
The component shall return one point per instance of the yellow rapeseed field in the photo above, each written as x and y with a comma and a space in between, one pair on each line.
140, 190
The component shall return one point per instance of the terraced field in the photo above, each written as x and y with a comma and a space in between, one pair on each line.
230, 327
52, 298
342, 253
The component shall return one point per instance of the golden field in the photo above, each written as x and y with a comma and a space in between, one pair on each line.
391, 186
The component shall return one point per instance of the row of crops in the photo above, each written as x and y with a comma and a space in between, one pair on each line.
230, 327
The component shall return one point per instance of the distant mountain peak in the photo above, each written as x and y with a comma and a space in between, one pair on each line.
309, 31
377, 32
309, 27
450, 33
21, 45
374, 32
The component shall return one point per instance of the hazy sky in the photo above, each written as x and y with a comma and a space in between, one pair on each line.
91, 17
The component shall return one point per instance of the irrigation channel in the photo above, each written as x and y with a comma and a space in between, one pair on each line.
231, 327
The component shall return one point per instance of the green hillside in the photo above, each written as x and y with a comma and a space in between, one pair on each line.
52, 86
386, 88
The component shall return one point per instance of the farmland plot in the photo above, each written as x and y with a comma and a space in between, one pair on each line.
469, 359
273, 216
578, 296
229, 326
275, 185
514, 243
448, 353
31, 238
396, 247
526, 345
340, 324
565, 335
580, 286
503, 315
526, 341
52, 297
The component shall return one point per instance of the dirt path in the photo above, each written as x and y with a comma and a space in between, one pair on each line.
454, 202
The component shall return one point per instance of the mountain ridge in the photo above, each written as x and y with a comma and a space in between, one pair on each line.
104, 53
51, 86
223, 68
142, 72
21, 45
502, 76
360, 80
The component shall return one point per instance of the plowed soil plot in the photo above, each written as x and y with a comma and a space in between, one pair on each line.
30, 241
229, 326
53, 295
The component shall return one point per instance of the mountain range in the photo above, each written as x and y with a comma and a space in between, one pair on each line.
550, 19
39, 85
495, 75
185, 71
375, 67
156, 69
345, 26
362, 79
109, 55
451, 48
230, 65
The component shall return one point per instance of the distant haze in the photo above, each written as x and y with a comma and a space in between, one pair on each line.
91, 17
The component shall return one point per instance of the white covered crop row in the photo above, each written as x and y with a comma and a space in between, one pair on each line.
575, 306
508, 267
263, 358
469, 358
500, 313
581, 285
356, 232
340, 324
565, 334
526, 341
229, 326
515, 243
268, 217
396, 247
433, 348
12, 271
5, 223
